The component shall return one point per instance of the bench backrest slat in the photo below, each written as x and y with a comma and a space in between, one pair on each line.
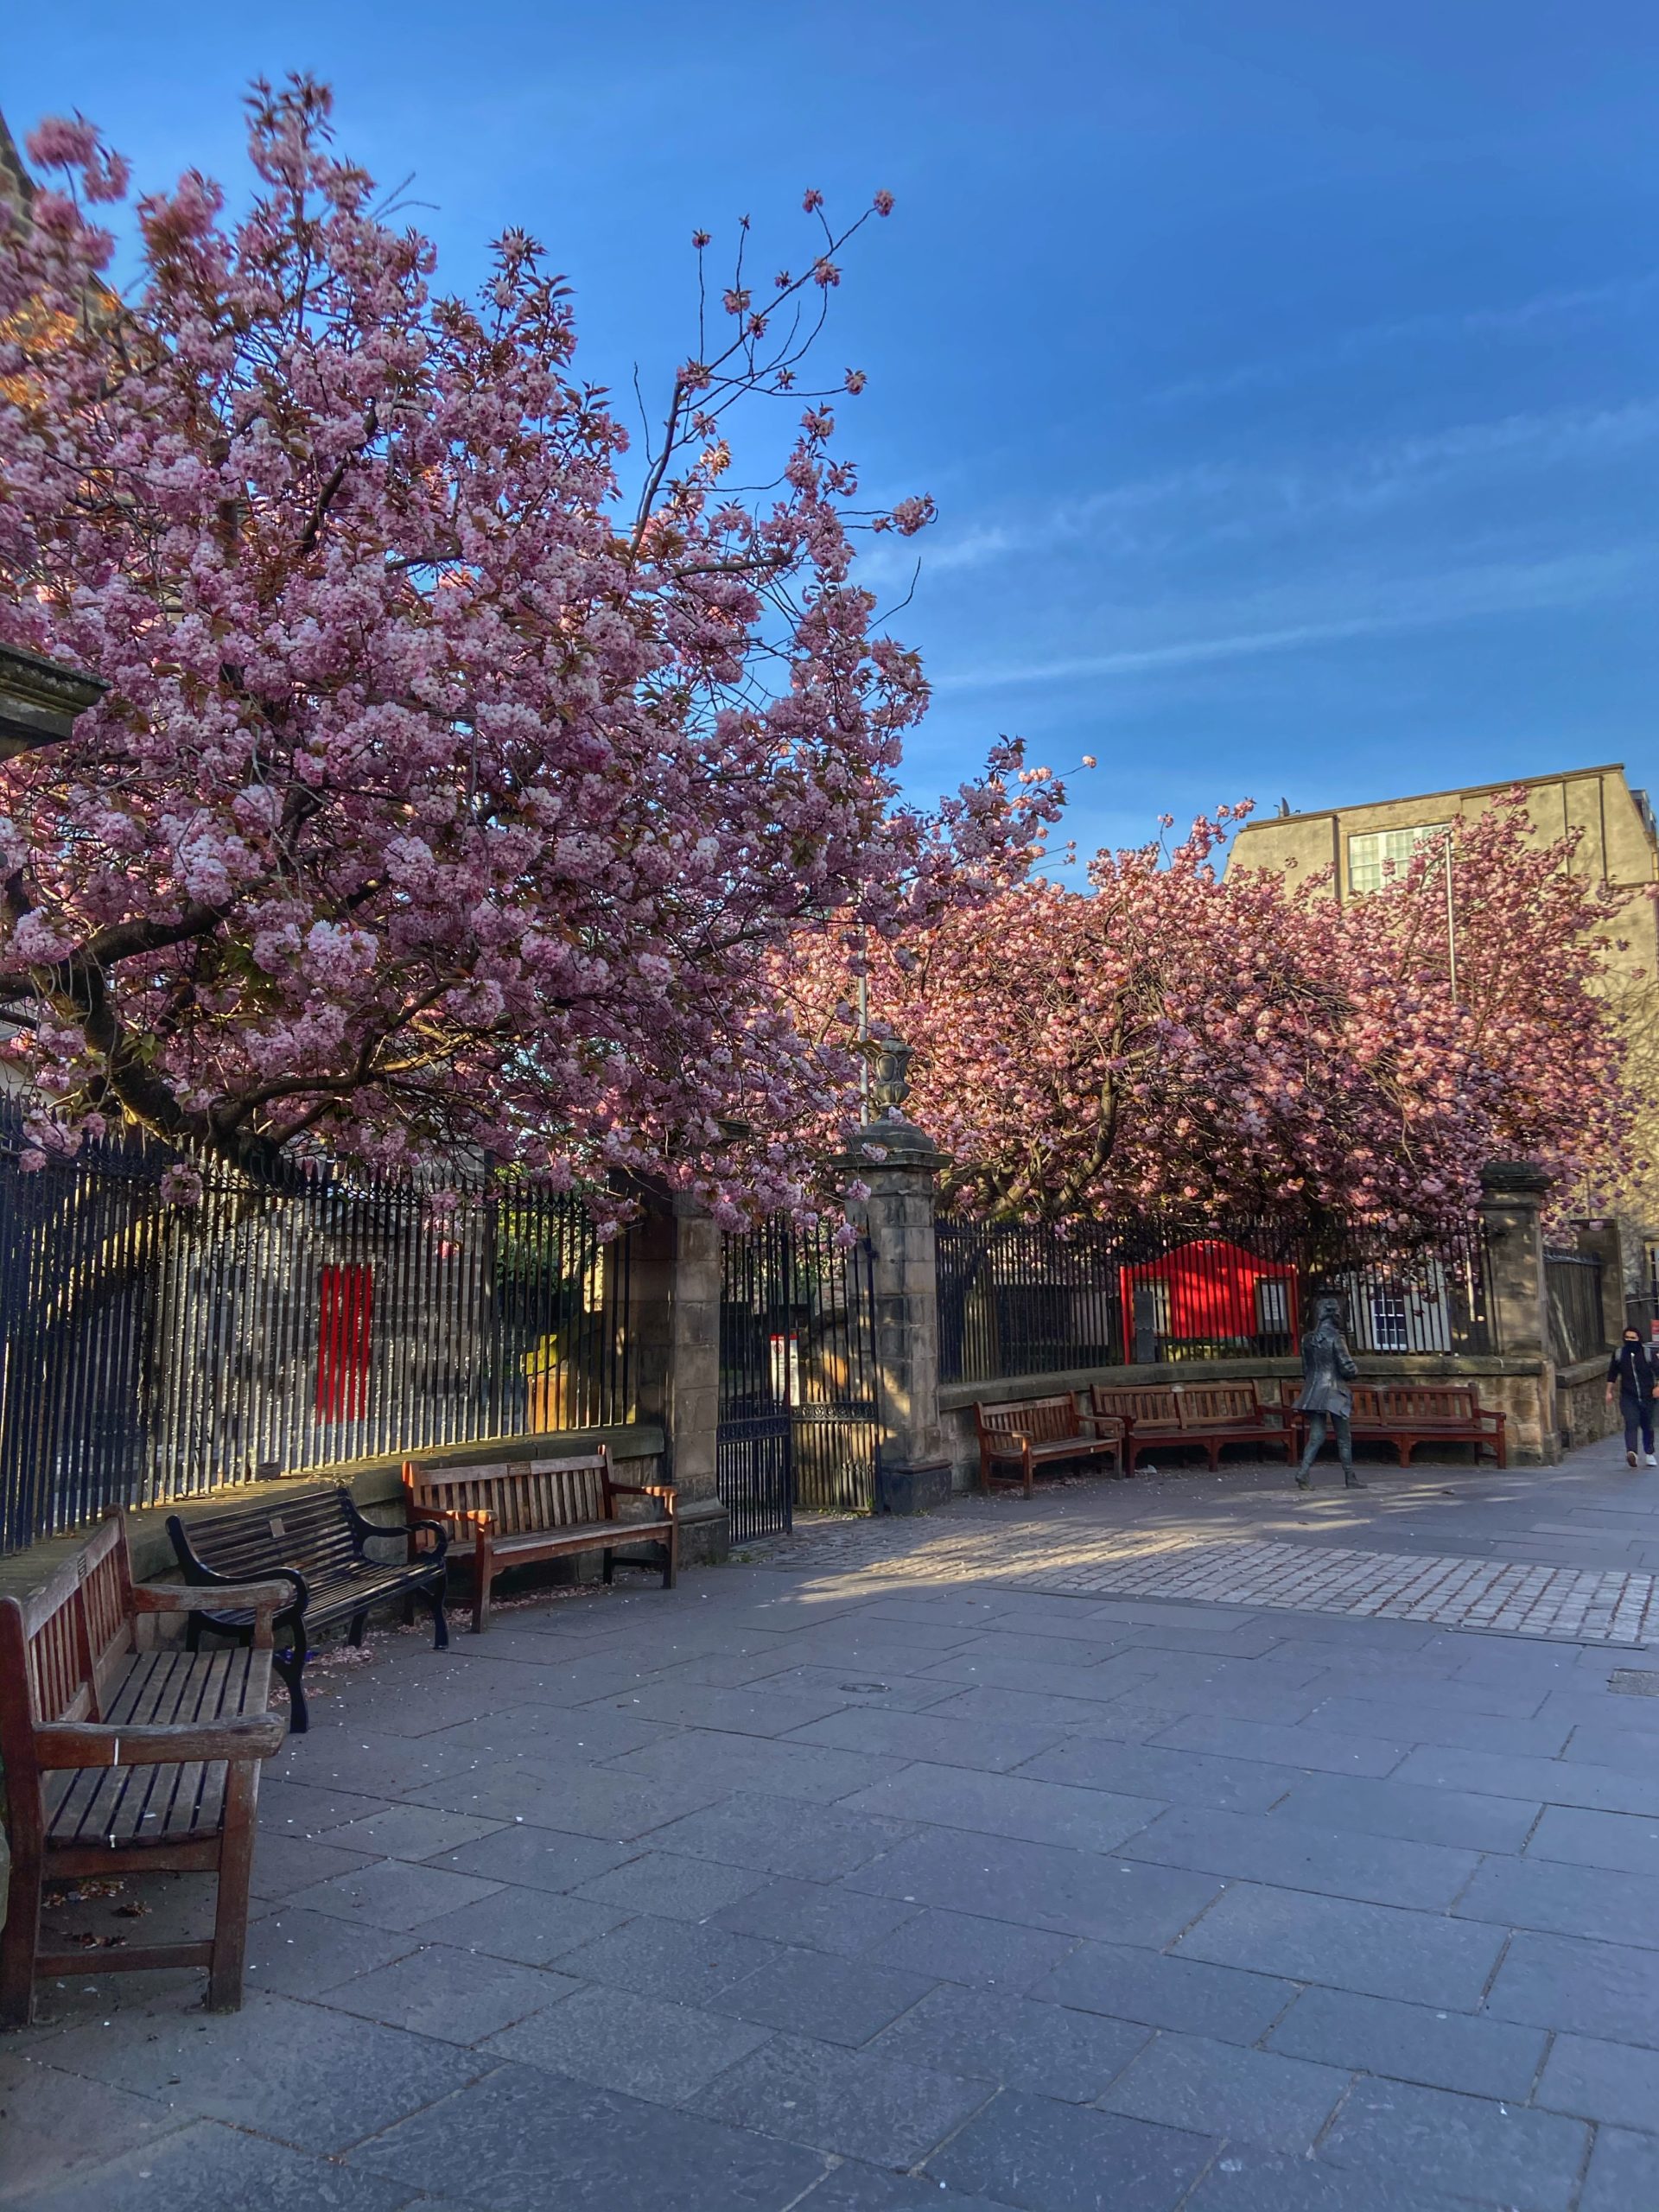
309, 1529
1213, 1405
1044, 1420
522, 1497
1428, 1401
1146, 1406
60, 1647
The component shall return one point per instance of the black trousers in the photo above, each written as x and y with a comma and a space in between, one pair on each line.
1638, 1414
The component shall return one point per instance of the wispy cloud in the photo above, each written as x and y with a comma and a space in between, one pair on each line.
1365, 609
1540, 312
1228, 500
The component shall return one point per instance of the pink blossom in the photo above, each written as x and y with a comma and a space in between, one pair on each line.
1249, 1044
440, 797
181, 1186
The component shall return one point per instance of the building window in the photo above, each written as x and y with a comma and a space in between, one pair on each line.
1390, 1324
1272, 1306
1373, 858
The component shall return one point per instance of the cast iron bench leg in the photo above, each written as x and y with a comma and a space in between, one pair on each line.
291, 1665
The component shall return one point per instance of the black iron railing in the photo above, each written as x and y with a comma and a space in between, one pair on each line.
1578, 1327
1020, 1299
154, 1350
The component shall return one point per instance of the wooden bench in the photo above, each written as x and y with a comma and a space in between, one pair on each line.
121, 1760
1204, 1414
511, 1513
315, 1542
1151, 1413
1406, 1414
1030, 1433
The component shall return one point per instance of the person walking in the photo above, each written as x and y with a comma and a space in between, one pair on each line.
1632, 1368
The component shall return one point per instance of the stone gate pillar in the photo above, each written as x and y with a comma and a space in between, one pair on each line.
1604, 1240
1513, 1193
913, 1464
674, 1319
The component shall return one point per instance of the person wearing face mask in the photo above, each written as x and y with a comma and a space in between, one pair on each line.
1632, 1368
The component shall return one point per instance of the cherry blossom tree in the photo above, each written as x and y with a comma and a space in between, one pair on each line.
1172, 1037
452, 785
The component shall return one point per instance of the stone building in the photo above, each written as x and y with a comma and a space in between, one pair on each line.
15, 183
1619, 847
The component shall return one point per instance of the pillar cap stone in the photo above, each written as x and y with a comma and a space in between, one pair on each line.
40, 699
1514, 1178
903, 1144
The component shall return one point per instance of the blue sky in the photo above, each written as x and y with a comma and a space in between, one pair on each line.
1286, 374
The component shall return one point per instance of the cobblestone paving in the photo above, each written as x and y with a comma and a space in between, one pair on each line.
1578, 1605
998, 1539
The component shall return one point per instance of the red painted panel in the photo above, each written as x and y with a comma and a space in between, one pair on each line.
343, 1338
1211, 1287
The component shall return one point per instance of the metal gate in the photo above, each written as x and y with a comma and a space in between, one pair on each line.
798, 1421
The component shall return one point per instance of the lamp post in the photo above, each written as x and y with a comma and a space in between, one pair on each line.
39, 700
1450, 922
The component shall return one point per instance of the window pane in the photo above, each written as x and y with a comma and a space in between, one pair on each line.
1381, 855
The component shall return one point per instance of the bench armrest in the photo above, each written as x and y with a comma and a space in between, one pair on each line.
105, 1742
666, 1491
430, 1531
174, 1597
264, 1600
413, 1530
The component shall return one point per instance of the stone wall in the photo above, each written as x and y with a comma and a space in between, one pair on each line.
1581, 1407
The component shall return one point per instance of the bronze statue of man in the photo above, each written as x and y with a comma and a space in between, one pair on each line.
1328, 1369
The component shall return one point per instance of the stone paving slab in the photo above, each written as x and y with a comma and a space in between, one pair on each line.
884, 1874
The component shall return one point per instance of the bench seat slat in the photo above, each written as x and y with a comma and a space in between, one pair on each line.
587, 1536
140, 1805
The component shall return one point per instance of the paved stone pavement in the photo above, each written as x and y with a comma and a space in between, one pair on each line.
871, 1874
